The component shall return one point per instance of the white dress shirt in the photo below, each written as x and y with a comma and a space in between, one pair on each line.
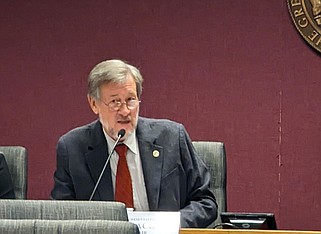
135, 169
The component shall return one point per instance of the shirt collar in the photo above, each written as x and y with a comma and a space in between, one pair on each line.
130, 141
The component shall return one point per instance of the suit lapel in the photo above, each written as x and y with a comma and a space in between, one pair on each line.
151, 156
152, 162
96, 158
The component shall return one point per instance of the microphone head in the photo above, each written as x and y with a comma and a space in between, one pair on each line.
121, 133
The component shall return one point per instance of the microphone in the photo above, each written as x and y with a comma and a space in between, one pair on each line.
120, 134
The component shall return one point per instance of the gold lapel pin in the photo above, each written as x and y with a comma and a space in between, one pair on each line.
155, 153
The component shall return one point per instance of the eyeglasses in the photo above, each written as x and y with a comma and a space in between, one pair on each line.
116, 105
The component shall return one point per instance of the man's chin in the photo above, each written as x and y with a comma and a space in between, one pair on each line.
115, 133
128, 132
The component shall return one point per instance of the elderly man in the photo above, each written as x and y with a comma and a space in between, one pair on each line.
162, 170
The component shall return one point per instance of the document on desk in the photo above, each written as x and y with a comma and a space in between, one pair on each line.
158, 222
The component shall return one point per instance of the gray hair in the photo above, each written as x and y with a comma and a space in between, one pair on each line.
112, 71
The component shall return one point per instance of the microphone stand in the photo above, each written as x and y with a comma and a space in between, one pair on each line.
121, 133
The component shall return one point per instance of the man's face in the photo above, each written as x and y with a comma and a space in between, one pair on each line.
124, 118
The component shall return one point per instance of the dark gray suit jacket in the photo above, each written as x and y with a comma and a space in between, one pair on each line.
177, 180
6, 185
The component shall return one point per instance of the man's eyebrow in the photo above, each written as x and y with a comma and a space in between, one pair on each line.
113, 95
117, 95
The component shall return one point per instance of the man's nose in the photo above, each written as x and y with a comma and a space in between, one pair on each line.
123, 109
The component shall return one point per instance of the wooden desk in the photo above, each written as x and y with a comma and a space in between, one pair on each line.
241, 231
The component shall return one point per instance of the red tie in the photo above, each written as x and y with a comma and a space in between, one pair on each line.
124, 190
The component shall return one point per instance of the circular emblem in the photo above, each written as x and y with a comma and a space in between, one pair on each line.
306, 15
155, 153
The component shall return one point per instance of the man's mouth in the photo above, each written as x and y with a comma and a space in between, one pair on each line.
123, 121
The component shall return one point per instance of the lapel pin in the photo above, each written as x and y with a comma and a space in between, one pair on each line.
155, 153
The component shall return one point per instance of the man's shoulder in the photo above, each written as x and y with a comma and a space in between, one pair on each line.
159, 123
84, 130
158, 128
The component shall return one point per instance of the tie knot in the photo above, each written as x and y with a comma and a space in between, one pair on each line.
121, 150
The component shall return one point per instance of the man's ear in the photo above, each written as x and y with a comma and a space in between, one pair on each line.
93, 104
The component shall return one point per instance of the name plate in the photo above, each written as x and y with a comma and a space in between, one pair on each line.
155, 222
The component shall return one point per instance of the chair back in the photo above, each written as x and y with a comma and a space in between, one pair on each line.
62, 210
17, 160
67, 226
214, 157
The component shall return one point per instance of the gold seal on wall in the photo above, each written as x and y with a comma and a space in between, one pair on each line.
306, 15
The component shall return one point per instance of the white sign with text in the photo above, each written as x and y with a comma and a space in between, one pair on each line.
158, 222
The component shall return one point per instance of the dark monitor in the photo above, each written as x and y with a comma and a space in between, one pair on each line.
248, 220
